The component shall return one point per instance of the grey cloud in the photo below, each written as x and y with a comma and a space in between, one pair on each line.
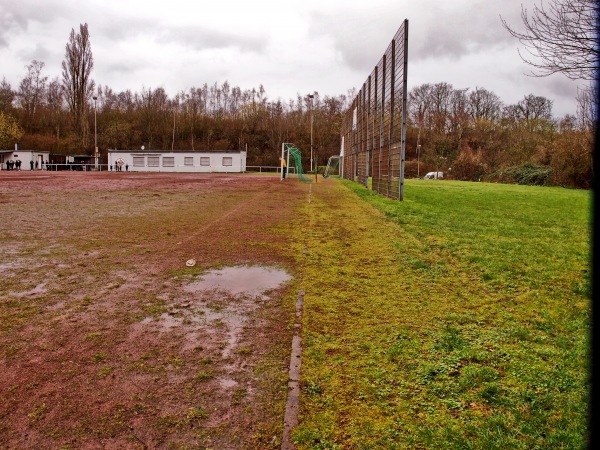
39, 53
123, 67
455, 35
16, 16
436, 30
198, 38
354, 36
117, 29
561, 86
204, 39
11, 22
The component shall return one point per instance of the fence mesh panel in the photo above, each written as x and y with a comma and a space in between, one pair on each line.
374, 128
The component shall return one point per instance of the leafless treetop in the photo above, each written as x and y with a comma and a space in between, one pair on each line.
560, 37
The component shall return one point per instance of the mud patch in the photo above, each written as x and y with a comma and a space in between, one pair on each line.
219, 312
37, 290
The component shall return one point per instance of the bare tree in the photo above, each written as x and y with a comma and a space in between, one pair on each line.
587, 107
534, 112
32, 90
441, 101
78, 87
561, 38
534, 107
484, 104
7, 96
419, 103
458, 110
156, 117
54, 102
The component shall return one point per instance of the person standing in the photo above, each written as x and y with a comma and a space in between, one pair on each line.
283, 168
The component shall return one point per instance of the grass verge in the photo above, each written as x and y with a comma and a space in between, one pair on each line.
457, 318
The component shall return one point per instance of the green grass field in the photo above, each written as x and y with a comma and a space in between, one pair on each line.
458, 318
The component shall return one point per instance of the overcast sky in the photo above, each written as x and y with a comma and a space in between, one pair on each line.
290, 47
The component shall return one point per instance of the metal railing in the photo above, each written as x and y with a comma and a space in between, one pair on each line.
77, 167
274, 169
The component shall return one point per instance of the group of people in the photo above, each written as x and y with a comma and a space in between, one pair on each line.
13, 164
119, 167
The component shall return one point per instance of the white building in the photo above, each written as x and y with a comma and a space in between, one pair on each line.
30, 159
177, 161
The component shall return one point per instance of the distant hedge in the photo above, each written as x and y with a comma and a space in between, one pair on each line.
527, 173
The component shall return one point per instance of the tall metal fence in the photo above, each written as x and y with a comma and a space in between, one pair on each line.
374, 128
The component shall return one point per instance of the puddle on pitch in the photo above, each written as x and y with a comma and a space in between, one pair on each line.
227, 297
227, 383
222, 306
240, 280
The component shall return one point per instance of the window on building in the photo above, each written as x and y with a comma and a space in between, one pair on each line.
205, 160
188, 161
153, 161
168, 161
138, 161
227, 161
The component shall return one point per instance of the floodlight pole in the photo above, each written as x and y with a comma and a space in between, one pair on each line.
174, 111
311, 140
95, 135
311, 96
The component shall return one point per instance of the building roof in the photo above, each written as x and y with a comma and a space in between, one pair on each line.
174, 151
23, 150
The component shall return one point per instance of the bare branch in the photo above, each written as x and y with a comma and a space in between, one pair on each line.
560, 38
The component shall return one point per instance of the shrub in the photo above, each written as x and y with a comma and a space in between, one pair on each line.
527, 173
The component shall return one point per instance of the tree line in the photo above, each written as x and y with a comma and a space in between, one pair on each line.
474, 136
470, 134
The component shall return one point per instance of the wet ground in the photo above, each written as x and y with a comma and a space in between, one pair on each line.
109, 340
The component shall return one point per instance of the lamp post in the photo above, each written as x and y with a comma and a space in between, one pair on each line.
95, 136
174, 111
418, 154
311, 96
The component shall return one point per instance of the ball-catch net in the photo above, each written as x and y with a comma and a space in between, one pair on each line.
292, 155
